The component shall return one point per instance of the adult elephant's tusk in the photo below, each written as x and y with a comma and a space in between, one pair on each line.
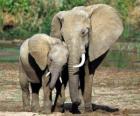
48, 74
82, 62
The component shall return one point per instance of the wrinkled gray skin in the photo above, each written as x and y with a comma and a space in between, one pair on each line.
87, 30
39, 55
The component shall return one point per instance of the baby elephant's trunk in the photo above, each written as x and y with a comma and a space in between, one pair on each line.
54, 77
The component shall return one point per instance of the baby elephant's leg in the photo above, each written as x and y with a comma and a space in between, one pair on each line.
47, 95
35, 97
60, 91
25, 89
60, 97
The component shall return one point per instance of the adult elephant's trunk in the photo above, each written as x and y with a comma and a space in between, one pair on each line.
74, 58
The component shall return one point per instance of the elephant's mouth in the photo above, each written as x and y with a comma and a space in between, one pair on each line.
82, 61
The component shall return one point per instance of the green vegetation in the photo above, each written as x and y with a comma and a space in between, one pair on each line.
9, 54
117, 57
26, 17
124, 55
20, 19
30, 16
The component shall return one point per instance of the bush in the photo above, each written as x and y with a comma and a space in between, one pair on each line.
31, 16
68, 4
34, 16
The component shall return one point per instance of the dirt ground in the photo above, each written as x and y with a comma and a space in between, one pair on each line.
112, 87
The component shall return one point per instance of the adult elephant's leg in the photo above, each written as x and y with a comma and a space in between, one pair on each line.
87, 93
90, 68
47, 95
35, 96
25, 89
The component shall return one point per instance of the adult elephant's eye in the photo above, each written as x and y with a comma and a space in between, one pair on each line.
84, 31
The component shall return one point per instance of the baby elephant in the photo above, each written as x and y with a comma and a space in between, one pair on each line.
40, 56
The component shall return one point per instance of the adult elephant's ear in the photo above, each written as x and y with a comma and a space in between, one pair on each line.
106, 28
57, 24
39, 48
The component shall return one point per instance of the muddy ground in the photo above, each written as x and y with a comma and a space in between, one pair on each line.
117, 88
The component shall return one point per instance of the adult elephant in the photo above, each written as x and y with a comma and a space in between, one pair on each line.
89, 33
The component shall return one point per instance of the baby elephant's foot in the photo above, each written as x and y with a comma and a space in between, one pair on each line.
35, 109
27, 108
46, 110
59, 108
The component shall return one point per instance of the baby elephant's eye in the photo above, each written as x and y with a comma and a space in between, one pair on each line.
84, 31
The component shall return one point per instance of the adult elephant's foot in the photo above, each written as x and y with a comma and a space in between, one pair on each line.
74, 109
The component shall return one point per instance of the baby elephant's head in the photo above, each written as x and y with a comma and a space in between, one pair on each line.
58, 56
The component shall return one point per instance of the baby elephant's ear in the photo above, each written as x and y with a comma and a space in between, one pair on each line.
39, 49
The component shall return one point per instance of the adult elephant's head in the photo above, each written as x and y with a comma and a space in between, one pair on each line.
94, 27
